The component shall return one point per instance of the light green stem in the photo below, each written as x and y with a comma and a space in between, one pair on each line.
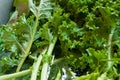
109, 48
29, 46
36, 66
58, 76
21, 47
58, 60
18, 74
44, 72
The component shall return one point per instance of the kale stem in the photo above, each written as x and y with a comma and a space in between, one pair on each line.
21, 47
46, 64
109, 48
58, 60
36, 66
58, 75
18, 74
29, 46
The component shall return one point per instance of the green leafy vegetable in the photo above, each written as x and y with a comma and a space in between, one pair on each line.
62, 40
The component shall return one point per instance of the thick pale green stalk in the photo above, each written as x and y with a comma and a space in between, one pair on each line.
29, 46
44, 72
110, 47
14, 75
58, 76
36, 66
